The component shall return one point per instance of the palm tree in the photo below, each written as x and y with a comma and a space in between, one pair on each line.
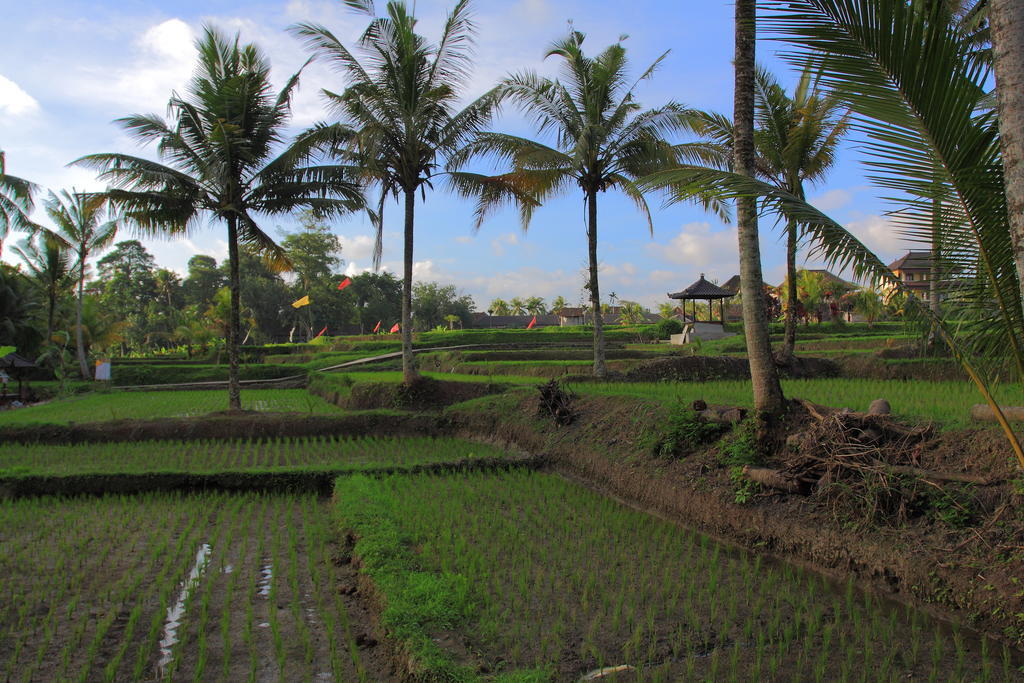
220, 147
887, 59
1007, 25
48, 260
499, 307
80, 222
535, 305
796, 142
768, 397
15, 203
398, 114
558, 304
602, 141
517, 305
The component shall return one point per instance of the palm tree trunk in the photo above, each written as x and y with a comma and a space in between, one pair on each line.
234, 388
1007, 23
764, 375
408, 362
79, 337
789, 344
600, 370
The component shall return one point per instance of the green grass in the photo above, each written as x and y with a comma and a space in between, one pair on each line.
946, 402
156, 404
206, 456
542, 577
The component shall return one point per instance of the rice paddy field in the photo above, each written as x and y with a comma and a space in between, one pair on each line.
156, 404
946, 402
540, 579
197, 587
209, 456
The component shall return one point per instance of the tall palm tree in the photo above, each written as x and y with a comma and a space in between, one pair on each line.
226, 158
768, 397
398, 116
603, 141
15, 203
83, 223
796, 142
888, 59
1007, 25
49, 262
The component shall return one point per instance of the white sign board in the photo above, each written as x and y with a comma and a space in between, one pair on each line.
103, 371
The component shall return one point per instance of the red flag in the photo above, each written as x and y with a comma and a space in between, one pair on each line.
532, 323
321, 333
345, 283
376, 327
395, 327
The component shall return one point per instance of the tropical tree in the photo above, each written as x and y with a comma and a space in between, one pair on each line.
499, 307
667, 310
15, 203
18, 306
868, 303
535, 306
558, 304
796, 142
398, 116
768, 397
84, 224
887, 59
602, 140
223, 148
517, 305
1007, 26
49, 262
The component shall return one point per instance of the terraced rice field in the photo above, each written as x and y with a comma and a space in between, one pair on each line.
200, 587
532, 576
207, 456
945, 402
156, 404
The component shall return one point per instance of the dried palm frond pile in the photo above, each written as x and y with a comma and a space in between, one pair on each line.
865, 467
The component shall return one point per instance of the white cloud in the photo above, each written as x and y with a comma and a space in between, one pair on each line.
499, 243
696, 245
14, 101
880, 236
163, 59
463, 239
359, 247
832, 200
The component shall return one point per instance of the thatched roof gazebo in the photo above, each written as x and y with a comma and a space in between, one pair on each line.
16, 366
704, 291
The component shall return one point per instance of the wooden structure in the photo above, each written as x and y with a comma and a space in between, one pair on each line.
702, 290
16, 367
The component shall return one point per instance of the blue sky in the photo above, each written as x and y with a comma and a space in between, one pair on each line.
68, 68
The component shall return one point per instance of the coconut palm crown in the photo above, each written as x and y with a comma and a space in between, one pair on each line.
603, 140
398, 118
16, 203
226, 158
85, 226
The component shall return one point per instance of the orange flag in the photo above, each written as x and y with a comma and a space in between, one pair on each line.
376, 327
532, 323
321, 333
345, 283
395, 327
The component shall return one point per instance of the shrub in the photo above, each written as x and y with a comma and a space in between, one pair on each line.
684, 433
667, 327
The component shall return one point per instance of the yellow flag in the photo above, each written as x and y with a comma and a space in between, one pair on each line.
304, 301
